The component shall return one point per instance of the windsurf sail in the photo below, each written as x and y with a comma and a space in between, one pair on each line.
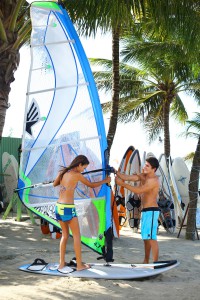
63, 118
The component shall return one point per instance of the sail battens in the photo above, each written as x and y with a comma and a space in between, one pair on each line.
44, 26
70, 142
53, 202
52, 43
57, 88
42, 68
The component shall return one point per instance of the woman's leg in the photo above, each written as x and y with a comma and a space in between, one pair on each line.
63, 243
74, 226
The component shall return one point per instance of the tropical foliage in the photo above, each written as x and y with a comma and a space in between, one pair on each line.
151, 91
14, 30
113, 15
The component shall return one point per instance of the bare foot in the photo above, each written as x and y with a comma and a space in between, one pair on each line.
62, 265
145, 261
83, 267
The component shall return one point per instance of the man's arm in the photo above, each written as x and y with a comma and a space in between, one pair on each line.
149, 185
133, 177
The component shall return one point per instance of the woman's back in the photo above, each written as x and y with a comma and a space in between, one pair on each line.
67, 186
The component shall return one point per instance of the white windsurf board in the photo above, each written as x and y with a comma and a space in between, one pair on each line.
10, 169
177, 197
103, 271
182, 177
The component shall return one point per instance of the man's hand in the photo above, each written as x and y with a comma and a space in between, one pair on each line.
119, 181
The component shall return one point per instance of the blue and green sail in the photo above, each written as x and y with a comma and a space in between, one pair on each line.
63, 118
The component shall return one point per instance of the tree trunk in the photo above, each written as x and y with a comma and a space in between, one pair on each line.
9, 61
193, 193
166, 110
115, 88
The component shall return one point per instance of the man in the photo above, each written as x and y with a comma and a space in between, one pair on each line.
148, 189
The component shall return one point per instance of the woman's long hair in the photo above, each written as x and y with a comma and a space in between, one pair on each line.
80, 159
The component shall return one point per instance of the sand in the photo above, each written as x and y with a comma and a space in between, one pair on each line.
22, 242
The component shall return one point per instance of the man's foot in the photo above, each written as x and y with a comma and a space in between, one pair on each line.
83, 267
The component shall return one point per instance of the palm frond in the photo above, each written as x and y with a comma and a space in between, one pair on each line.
189, 157
195, 125
178, 110
90, 15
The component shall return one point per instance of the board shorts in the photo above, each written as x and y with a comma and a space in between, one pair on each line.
149, 223
65, 212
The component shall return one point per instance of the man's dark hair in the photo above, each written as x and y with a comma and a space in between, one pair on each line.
153, 162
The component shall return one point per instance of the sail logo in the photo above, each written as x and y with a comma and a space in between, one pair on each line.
182, 180
33, 116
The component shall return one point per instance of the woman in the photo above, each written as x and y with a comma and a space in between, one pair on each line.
65, 208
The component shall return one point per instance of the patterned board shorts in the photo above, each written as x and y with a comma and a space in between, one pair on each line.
65, 212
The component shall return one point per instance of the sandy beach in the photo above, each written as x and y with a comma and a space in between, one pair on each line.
22, 242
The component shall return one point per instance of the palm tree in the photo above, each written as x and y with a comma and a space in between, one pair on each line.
169, 71
14, 30
194, 178
115, 15
159, 79
112, 15
89, 15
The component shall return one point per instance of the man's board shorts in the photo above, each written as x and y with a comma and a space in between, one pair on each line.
149, 223
65, 212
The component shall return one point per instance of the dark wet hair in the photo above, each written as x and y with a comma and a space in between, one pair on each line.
80, 159
153, 162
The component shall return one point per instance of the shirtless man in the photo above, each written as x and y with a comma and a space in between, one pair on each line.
148, 190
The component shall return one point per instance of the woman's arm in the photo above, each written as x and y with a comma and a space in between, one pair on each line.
93, 184
57, 180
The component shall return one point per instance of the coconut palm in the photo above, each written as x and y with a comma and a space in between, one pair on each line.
14, 30
159, 79
194, 178
112, 15
115, 15
169, 71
